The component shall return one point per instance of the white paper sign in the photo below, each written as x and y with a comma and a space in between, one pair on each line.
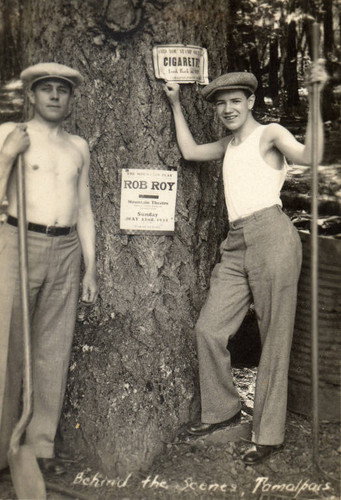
181, 63
148, 198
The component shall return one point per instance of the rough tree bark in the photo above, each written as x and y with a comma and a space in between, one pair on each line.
133, 379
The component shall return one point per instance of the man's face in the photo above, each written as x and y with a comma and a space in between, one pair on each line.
51, 99
233, 108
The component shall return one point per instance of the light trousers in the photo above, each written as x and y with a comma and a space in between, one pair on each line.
54, 264
260, 263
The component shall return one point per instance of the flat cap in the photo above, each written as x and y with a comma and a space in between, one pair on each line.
230, 81
42, 71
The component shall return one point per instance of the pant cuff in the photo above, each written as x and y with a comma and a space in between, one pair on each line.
215, 418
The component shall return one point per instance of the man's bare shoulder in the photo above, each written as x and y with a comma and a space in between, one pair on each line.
77, 140
80, 143
273, 131
7, 127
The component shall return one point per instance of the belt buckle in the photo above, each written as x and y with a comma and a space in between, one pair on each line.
50, 230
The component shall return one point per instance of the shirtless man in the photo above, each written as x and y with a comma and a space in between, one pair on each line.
60, 228
260, 259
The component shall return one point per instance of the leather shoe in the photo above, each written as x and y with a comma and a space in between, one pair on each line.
51, 466
64, 456
200, 429
258, 452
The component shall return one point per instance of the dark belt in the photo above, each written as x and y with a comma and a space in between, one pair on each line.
40, 228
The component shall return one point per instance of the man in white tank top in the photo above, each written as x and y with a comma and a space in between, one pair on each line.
260, 258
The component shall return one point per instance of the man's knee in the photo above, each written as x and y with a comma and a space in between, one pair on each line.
201, 331
207, 331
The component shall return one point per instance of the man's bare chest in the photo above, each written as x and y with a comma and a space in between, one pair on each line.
62, 162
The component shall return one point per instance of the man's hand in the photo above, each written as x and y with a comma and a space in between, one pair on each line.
89, 288
316, 74
16, 142
172, 92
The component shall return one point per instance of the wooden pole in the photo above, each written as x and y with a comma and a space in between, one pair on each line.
26, 476
314, 254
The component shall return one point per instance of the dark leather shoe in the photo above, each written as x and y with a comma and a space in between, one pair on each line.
64, 456
51, 466
200, 429
260, 451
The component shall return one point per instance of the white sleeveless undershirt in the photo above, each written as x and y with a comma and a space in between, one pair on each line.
250, 183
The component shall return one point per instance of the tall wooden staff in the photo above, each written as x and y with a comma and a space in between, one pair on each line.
315, 111
26, 476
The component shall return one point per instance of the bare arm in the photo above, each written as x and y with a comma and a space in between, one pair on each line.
13, 141
284, 141
189, 148
86, 231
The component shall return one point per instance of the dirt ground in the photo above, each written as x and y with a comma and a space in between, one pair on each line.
212, 467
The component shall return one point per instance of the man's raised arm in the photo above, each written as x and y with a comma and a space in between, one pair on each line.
285, 141
13, 141
190, 150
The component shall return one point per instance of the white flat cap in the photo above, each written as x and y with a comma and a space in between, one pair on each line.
42, 71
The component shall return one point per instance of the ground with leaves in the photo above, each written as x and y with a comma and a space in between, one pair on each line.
212, 467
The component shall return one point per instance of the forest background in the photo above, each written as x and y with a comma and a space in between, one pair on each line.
133, 375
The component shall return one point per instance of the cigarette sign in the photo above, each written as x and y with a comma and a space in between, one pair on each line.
148, 200
181, 63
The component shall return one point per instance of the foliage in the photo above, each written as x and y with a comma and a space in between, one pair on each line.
269, 34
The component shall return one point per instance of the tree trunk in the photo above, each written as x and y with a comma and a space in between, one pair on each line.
274, 70
133, 378
10, 39
328, 41
234, 59
328, 46
290, 68
249, 38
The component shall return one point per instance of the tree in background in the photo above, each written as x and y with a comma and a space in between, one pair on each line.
270, 38
133, 379
273, 40
10, 39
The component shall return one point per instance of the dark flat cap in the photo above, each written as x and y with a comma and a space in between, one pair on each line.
42, 71
230, 81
